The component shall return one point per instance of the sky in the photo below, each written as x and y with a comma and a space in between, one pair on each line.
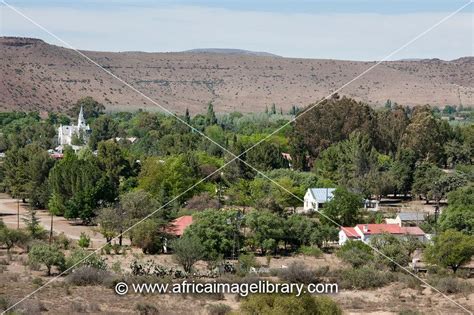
333, 29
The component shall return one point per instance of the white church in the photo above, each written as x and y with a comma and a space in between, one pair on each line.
67, 133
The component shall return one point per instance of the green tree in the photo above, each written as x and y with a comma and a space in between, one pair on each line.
218, 232
149, 235
424, 178
344, 208
187, 251
91, 108
10, 237
46, 255
267, 230
211, 115
450, 249
459, 215
356, 253
103, 128
392, 247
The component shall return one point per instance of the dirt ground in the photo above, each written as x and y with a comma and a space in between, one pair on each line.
17, 281
8, 212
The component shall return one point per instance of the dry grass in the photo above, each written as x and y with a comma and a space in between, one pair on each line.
44, 77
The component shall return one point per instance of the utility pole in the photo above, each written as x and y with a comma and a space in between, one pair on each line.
18, 214
51, 229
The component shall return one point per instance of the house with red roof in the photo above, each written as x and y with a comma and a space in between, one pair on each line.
178, 225
365, 232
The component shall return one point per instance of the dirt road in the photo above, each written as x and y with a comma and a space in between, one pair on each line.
8, 212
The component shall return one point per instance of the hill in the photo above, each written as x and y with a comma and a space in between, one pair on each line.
40, 76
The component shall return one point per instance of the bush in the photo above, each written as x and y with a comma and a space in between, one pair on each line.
218, 309
87, 275
355, 253
363, 278
311, 251
62, 241
43, 254
449, 285
298, 272
246, 261
84, 240
274, 304
78, 258
146, 309
187, 251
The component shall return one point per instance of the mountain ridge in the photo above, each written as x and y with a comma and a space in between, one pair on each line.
40, 76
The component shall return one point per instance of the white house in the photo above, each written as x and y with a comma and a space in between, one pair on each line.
365, 232
66, 133
315, 198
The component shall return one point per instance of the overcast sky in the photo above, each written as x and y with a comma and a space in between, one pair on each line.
339, 29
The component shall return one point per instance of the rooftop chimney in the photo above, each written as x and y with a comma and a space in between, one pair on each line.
366, 228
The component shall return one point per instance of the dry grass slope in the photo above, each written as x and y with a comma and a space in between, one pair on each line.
40, 76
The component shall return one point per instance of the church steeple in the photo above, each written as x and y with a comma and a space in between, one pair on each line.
81, 122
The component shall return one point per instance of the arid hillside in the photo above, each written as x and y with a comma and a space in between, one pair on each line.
40, 76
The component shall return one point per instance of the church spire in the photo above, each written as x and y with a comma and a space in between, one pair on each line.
81, 123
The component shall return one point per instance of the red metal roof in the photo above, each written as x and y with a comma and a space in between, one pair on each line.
350, 232
389, 228
412, 230
178, 225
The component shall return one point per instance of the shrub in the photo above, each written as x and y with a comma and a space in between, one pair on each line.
37, 282
62, 241
311, 251
246, 261
363, 278
298, 272
269, 304
87, 275
78, 258
43, 254
187, 251
449, 285
146, 309
355, 253
84, 240
218, 309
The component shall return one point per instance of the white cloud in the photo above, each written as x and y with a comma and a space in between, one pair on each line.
339, 36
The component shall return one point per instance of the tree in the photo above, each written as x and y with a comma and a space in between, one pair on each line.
91, 108
113, 164
149, 235
451, 249
218, 231
77, 187
164, 179
331, 121
103, 128
187, 251
46, 255
356, 253
392, 247
10, 237
267, 230
344, 208
459, 215
26, 174
33, 225
425, 135
424, 178
266, 156
211, 115
298, 230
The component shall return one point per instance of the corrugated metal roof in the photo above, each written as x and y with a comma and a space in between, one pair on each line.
411, 216
322, 194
